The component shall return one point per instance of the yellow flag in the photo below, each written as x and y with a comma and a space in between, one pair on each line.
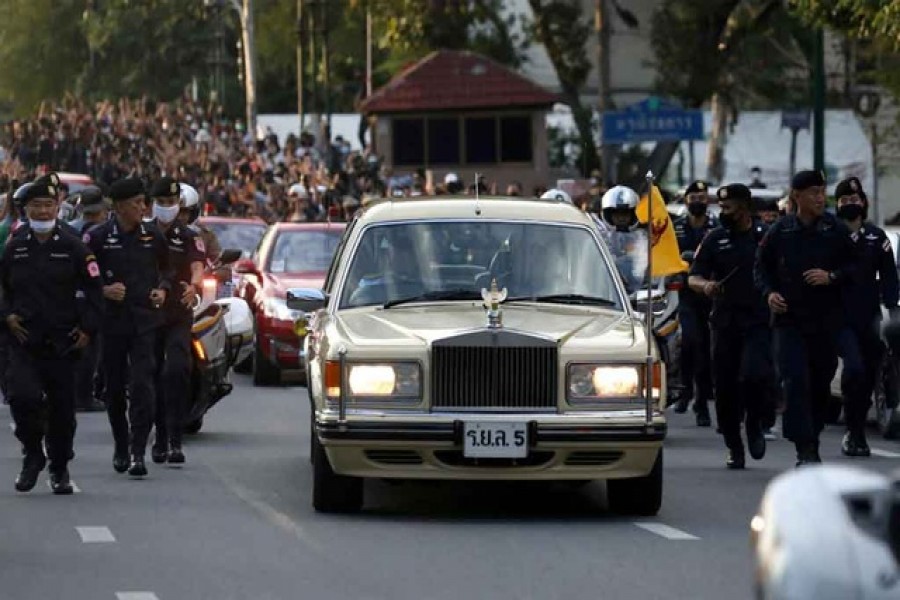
664, 245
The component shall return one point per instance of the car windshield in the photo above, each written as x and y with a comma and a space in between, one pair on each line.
304, 250
241, 236
447, 260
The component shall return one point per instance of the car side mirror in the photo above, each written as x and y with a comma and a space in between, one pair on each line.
306, 300
245, 267
229, 256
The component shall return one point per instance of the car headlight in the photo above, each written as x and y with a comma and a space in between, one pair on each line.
400, 380
592, 382
277, 309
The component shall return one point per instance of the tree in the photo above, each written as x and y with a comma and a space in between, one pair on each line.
561, 27
863, 19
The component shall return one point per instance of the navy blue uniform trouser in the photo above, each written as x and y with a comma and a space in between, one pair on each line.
695, 352
862, 352
31, 380
129, 361
5, 340
173, 379
85, 371
806, 363
742, 370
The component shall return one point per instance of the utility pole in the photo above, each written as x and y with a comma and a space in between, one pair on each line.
368, 48
314, 107
605, 103
819, 102
300, 108
326, 65
249, 65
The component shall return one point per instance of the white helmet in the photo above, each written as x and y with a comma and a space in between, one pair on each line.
557, 195
616, 199
190, 200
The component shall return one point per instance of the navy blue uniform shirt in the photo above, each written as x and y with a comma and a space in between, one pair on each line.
185, 248
787, 251
689, 239
728, 255
876, 278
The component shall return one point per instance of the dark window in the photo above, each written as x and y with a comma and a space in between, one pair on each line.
443, 141
515, 139
409, 141
481, 141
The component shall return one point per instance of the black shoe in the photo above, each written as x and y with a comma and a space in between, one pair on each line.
735, 459
137, 468
703, 419
158, 455
854, 444
176, 456
120, 462
93, 406
60, 482
32, 465
808, 454
756, 443
681, 406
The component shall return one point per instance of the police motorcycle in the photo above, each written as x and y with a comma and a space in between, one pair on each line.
221, 336
828, 532
628, 245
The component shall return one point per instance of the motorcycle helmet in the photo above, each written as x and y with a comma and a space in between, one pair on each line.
617, 204
190, 201
557, 195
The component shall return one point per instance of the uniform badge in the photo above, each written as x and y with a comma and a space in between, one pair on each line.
198, 243
93, 269
86, 238
723, 193
853, 185
174, 188
886, 246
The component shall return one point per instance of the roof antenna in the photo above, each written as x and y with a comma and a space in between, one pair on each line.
477, 198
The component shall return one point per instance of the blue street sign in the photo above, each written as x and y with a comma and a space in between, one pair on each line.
795, 119
652, 120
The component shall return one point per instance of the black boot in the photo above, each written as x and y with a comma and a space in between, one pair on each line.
158, 454
32, 465
137, 468
60, 482
701, 407
682, 404
120, 460
735, 459
854, 444
807, 453
756, 441
176, 456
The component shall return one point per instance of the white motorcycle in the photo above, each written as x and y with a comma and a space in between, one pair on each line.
221, 336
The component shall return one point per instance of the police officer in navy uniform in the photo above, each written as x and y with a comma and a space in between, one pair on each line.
52, 303
694, 308
741, 342
93, 206
859, 343
173, 350
802, 264
134, 263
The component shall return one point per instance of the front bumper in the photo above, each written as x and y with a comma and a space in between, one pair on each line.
558, 450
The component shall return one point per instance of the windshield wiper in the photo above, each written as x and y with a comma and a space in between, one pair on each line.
458, 294
566, 299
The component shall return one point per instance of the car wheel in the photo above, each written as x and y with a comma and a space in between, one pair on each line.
194, 426
640, 496
264, 372
245, 366
333, 493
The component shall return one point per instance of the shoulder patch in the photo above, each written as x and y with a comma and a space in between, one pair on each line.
86, 238
199, 245
92, 269
886, 246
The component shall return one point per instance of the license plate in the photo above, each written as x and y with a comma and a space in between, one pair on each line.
487, 439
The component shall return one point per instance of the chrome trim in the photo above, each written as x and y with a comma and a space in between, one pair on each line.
342, 397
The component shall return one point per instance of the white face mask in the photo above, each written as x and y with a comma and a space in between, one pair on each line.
42, 226
165, 214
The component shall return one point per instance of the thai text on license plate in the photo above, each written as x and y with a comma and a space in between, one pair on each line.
488, 439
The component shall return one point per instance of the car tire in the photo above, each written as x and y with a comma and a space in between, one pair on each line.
245, 366
194, 426
264, 372
640, 496
333, 493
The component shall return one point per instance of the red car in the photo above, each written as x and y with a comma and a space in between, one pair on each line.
290, 255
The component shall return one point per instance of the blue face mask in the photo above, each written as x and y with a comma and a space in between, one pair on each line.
42, 226
165, 214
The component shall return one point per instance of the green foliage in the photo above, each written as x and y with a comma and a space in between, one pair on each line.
863, 19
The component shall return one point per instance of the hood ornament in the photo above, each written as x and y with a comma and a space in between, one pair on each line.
492, 299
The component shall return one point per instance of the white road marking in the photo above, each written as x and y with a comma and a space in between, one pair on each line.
136, 596
663, 530
95, 535
885, 453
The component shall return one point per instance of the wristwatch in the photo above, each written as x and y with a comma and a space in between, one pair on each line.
832, 277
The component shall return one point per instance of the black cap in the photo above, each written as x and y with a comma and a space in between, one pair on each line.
91, 200
807, 179
125, 189
698, 186
43, 187
164, 187
848, 187
734, 191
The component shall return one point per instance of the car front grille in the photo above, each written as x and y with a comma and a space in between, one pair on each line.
494, 371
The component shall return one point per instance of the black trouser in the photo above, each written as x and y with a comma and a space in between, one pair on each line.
130, 360
862, 352
806, 364
173, 380
85, 371
30, 379
5, 340
742, 368
695, 353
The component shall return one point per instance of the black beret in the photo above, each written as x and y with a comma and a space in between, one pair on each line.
734, 191
807, 179
164, 187
125, 189
91, 199
848, 187
43, 187
697, 186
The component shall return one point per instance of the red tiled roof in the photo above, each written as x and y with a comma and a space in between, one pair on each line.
454, 80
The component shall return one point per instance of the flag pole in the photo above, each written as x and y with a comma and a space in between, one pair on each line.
648, 372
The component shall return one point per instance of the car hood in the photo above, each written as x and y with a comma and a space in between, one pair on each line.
575, 328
